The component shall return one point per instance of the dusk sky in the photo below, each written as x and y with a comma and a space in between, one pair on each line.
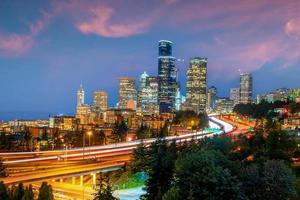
47, 48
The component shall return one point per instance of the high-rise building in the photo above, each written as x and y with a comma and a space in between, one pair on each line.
196, 84
235, 95
149, 97
211, 98
80, 96
100, 101
165, 48
83, 111
168, 75
245, 88
142, 85
127, 93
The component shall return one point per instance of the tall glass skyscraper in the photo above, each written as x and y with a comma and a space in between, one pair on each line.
196, 84
245, 88
167, 76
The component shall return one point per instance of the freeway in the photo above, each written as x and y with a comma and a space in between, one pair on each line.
58, 163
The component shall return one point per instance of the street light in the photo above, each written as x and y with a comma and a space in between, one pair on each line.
89, 134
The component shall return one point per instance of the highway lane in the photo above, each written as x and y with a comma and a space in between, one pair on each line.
77, 164
97, 149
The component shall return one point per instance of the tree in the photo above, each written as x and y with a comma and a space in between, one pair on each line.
141, 159
3, 192
27, 137
280, 145
164, 131
161, 170
45, 192
104, 190
18, 193
278, 181
102, 137
172, 194
120, 129
274, 178
28, 194
2, 169
204, 175
143, 132
294, 107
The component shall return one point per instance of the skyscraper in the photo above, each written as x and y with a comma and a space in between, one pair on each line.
149, 97
168, 75
235, 95
127, 93
196, 84
142, 85
83, 111
100, 101
211, 98
245, 88
80, 96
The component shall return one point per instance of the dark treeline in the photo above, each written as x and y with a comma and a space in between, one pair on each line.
20, 192
192, 119
265, 109
217, 168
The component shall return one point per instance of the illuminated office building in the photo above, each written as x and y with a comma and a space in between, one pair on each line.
149, 97
168, 75
196, 84
127, 93
211, 98
100, 100
235, 95
245, 88
142, 86
80, 96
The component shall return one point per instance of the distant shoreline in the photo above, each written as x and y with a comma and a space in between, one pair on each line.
25, 115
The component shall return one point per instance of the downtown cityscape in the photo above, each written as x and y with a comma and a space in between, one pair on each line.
222, 122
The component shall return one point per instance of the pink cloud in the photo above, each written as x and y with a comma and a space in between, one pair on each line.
99, 24
16, 44
114, 18
292, 28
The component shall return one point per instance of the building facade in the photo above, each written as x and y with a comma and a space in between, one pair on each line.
142, 86
80, 96
245, 88
168, 77
100, 104
235, 95
149, 97
224, 105
127, 93
211, 98
196, 84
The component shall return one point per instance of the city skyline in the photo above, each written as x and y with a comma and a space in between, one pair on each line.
43, 68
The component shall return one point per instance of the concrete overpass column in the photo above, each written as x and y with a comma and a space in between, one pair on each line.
73, 180
94, 178
81, 180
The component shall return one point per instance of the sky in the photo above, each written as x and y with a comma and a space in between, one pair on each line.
47, 48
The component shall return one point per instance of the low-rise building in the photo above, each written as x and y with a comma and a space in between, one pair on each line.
66, 123
224, 105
